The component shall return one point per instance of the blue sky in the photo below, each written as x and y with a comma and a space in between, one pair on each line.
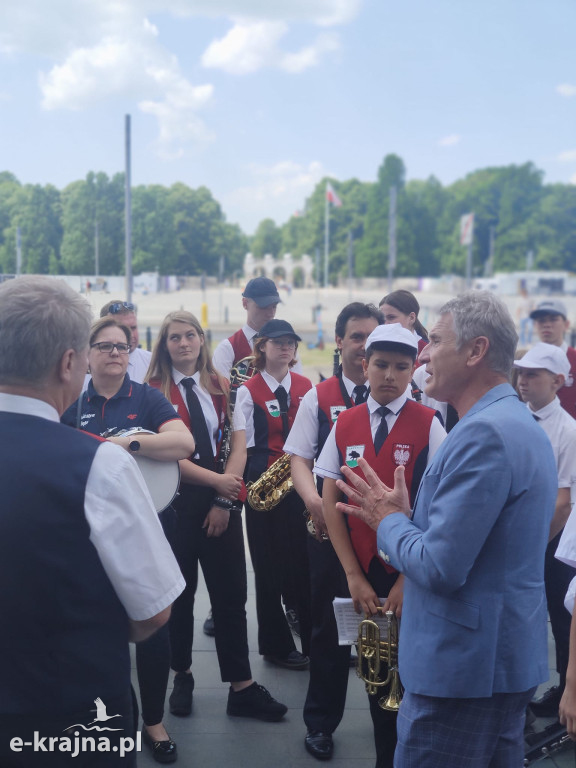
260, 99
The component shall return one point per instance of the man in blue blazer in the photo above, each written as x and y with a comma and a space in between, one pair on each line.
473, 638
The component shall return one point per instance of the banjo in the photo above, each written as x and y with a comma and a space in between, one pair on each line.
162, 478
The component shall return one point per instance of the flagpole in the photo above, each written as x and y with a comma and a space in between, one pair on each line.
326, 236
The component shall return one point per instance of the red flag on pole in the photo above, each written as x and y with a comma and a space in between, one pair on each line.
331, 195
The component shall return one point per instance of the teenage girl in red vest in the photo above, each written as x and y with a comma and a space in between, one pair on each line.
277, 538
208, 527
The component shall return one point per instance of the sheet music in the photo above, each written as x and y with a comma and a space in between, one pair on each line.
348, 621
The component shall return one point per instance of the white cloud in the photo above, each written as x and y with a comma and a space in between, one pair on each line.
253, 45
450, 140
573, 179
566, 89
567, 157
310, 56
282, 187
96, 51
247, 47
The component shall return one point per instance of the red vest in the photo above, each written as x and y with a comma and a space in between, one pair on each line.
240, 345
567, 395
407, 445
421, 344
268, 436
177, 401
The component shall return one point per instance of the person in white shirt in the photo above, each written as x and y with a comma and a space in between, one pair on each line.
551, 321
260, 299
80, 542
542, 373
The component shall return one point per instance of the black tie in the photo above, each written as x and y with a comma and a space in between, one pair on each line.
360, 393
198, 424
282, 397
382, 431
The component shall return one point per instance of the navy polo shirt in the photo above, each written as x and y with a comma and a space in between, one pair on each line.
134, 405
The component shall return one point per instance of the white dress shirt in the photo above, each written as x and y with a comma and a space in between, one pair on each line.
303, 438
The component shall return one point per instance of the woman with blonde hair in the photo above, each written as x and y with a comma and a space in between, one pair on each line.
208, 525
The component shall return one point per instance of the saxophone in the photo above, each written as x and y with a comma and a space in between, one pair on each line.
272, 486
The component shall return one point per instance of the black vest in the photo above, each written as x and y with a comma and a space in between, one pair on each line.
64, 636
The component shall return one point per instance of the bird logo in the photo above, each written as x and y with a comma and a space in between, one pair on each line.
102, 716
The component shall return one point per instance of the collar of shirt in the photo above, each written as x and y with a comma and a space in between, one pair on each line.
274, 384
564, 346
547, 411
349, 384
124, 391
178, 376
29, 406
395, 406
249, 333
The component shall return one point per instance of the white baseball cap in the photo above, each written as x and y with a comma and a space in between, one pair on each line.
549, 307
392, 333
546, 356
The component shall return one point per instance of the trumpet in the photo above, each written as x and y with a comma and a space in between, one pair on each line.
374, 652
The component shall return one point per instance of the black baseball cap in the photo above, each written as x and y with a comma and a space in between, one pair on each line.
263, 291
273, 329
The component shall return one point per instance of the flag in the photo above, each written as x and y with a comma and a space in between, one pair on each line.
331, 195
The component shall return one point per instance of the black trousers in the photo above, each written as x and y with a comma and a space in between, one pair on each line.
278, 548
223, 563
557, 577
153, 655
384, 722
329, 662
153, 669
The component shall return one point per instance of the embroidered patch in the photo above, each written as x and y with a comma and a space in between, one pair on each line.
273, 407
402, 453
353, 453
335, 410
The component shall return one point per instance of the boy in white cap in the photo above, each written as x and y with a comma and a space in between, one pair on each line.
542, 373
388, 430
551, 321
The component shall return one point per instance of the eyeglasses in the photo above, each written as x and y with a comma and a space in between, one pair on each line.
120, 307
108, 346
290, 343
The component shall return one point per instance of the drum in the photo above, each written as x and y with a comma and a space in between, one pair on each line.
162, 478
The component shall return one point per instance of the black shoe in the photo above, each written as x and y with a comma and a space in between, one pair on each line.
293, 621
547, 704
162, 751
209, 626
294, 660
320, 745
181, 697
255, 701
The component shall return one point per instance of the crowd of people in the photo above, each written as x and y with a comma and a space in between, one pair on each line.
430, 477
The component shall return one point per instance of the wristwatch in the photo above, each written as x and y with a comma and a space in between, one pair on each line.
134, 446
